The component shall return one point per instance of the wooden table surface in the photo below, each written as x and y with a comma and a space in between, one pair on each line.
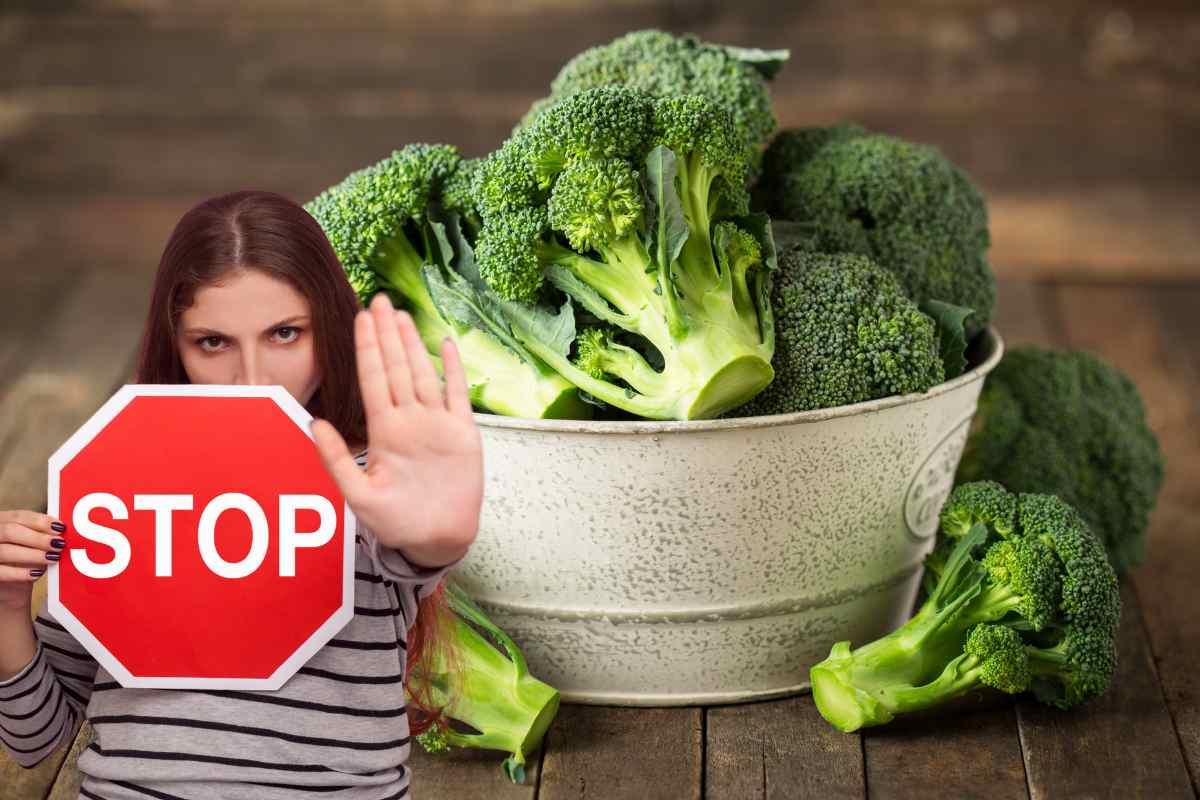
1078, 120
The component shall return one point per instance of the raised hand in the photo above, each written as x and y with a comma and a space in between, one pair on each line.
423, 486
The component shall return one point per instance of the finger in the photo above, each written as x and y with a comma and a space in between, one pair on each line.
458, 398
28, 557
16, 534
336, 457
395, 361
20, 574
30, 519
426, 385
372, 380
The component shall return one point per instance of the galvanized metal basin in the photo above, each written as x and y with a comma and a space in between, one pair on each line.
686, 563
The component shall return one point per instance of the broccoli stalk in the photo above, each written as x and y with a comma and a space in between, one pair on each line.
1037, 611
629, 206
395, 226
498, 697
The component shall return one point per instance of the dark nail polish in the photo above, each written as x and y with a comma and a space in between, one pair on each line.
37, 573
59, 543
58, 526
53, 556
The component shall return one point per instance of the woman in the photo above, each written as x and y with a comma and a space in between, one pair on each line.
249, 291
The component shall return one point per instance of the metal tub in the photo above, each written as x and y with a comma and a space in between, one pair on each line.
687, 563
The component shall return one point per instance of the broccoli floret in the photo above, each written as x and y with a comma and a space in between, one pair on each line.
903, 204
493, 691
1035, 608
844, 332
396, 226
630, 206
663, 65
1070, 424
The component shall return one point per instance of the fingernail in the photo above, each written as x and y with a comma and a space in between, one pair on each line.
37, 573
59, 543
53, 556
58, 526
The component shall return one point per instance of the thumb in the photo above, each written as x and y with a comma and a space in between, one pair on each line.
336, 457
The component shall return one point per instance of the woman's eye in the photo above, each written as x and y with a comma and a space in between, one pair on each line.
288, 333
214, 341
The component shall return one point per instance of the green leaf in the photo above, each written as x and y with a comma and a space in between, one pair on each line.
951, 337
760, 226
670, 229
443, 243
462, 306
767, 62
555, 331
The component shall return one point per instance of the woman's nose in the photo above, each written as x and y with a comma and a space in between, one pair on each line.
251, 372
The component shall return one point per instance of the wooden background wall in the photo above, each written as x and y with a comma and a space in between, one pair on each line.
1079, 119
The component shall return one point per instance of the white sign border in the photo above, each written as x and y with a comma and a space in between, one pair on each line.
88, 431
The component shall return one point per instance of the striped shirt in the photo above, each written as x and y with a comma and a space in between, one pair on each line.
336, 730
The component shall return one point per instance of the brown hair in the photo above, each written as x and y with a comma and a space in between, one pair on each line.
264, 231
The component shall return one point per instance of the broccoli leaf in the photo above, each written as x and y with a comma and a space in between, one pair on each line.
670, 229
952, 337
766, 62
760, 227
556, 331
460, 304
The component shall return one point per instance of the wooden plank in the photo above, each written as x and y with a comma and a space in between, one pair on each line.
1166, 583
914, 755
1121, 744
1124, 743
82, 355
779, 749
466, 774
636, 753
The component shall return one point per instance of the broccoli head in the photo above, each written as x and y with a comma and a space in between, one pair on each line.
1070, 424
903, 204
396, 226
844, 332
663, 65
634, 208
1024, 600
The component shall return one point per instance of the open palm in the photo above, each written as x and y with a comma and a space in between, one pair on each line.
423, 486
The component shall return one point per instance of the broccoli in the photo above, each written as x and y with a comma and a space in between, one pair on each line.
1073, 425
1023, 600
396, 226
903, 204
665, 65
844, 332
633, 207
493, 694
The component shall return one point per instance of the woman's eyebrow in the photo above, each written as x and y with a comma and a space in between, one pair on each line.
271, 327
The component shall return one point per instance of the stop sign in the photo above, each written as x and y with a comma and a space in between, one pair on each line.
208, 546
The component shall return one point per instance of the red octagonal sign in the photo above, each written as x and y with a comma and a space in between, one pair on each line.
209, 547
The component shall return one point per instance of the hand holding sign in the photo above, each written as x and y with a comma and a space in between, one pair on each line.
423, 486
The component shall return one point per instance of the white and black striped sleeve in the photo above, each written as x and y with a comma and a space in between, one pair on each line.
42, 706
392, 565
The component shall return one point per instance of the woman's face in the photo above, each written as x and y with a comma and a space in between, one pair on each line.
251, 329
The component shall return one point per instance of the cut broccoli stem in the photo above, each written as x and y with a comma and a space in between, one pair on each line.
709, 371
498, 696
